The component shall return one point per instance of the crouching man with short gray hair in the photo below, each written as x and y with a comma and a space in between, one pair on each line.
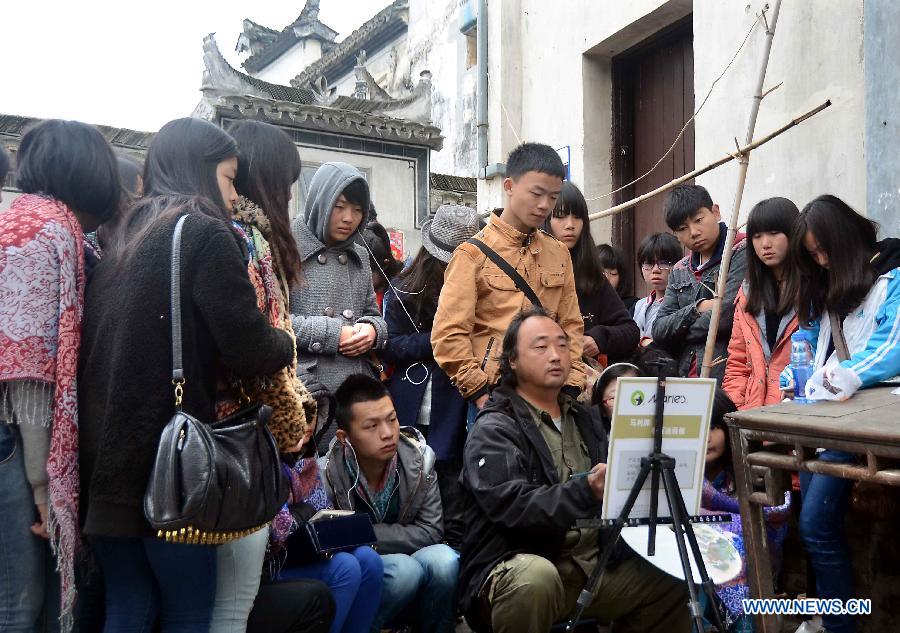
523, 564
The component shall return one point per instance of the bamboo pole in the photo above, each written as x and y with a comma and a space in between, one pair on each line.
744, 164
718, 163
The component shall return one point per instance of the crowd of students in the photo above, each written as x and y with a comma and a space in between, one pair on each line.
471, 388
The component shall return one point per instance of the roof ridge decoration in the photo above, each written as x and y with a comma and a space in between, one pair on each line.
403, 119
328, 119
266, 45
399, 9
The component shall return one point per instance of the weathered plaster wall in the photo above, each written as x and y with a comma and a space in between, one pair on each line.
550, 81
291, 63
882, 139
818, 54
549, 69
436, 44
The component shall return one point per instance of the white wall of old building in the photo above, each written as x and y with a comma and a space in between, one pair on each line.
292, 62
550, 81
818, 53
436, 44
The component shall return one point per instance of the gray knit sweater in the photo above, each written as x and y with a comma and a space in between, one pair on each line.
337, 285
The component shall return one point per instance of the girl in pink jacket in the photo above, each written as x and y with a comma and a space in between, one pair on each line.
764, 317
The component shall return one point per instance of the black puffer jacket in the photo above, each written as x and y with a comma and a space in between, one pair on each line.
514, 501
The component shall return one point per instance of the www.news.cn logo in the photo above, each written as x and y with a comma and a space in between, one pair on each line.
807, 606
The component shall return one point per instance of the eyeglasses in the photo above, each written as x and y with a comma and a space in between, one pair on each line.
663, 266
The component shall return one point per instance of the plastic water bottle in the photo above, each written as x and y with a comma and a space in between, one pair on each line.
801, 364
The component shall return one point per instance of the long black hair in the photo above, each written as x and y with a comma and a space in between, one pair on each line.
73, 163
770, 215
179, 175
420, 285
585, 261
849, 240
268, 167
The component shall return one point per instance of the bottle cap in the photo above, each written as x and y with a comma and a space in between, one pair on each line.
800, 335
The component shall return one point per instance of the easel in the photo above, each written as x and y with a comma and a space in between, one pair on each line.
657, 465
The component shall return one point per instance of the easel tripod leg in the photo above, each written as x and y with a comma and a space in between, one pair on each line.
678, 521
587, 594
707, 583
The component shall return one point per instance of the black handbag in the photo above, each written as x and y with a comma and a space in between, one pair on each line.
211, 483
318, 540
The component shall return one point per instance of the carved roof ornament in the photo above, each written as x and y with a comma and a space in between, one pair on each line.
379, 116
324, 93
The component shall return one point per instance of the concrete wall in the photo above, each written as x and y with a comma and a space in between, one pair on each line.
882, 139
550, 81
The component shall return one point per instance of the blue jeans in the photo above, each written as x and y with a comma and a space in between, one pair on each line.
421, 588
27, 576
825, 503
355, 580
238, 569
149, 578
471, 414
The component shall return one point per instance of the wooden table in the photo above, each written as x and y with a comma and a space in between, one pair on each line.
868, 425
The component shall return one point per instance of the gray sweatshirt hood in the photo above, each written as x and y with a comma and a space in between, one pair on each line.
327, 184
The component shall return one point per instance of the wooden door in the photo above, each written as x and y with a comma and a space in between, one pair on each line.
653, 96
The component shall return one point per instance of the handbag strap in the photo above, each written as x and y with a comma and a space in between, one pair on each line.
837, 336
511, 272
175, 298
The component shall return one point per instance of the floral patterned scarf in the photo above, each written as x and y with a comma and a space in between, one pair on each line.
42, 285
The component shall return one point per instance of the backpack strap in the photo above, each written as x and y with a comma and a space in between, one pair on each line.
511, 272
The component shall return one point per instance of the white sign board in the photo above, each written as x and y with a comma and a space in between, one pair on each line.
687, 412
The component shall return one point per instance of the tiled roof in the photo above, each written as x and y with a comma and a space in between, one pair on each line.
15, 125
277, 91
387, 21
446, 182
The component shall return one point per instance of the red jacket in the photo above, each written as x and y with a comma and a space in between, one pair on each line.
750, 381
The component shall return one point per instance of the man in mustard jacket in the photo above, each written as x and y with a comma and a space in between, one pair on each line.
479, 300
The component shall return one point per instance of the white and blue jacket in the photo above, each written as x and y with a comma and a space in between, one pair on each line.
872, 332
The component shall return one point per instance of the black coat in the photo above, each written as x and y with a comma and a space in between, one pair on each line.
514, 501
125, 394
609, 322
